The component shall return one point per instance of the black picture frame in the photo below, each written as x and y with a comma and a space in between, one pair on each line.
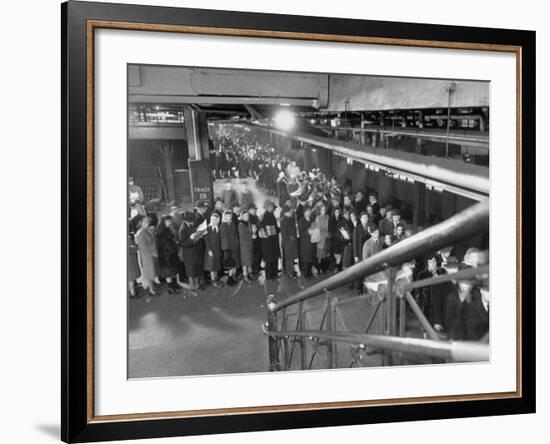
76, 423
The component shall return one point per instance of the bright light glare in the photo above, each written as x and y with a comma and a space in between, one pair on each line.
284, 120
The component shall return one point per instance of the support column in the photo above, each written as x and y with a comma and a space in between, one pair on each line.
200, 176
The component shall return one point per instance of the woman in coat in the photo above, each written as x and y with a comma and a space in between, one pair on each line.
229, 239
336, 241
246, 245
345, 236
323, 251
307, 249
289, 241
188, 239
167, 248
147, 248
213, 250
269, 235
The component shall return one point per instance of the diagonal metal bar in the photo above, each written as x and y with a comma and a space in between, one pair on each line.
432, 334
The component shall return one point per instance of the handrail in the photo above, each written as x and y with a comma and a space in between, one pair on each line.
473, 220
457, 351
465, 274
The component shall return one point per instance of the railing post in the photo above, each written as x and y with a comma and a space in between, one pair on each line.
303, 352
402, 323
391, 311
286, 364
331, 326
273, 346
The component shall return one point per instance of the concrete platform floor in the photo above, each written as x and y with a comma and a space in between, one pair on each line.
219, 331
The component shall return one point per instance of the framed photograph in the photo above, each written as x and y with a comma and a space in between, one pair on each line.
275, 221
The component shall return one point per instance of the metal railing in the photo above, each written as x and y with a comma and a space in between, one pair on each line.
389, 303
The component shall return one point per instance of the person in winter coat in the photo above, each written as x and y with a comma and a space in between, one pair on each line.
269, 235
213, 250
289, 241
167, 248
229, 238
147, 248
246, 245
323, 245
307, 249
189, 251
344, 234
256, 241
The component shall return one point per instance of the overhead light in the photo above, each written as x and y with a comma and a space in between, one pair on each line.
284, 120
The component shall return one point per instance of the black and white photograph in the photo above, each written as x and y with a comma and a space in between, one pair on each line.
300, 221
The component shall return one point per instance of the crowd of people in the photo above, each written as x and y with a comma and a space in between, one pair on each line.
312, 225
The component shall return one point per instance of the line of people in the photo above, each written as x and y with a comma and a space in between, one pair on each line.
318, 227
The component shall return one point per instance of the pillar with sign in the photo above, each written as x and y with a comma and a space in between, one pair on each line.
200, 176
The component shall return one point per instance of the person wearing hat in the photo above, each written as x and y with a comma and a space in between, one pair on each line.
289, 241
229, 238
190, 251
212, 250
269, 235
203, 212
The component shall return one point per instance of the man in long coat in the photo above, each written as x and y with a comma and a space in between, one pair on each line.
289, 241
307, 249
256, 241
229, 238
270, 241
212, 250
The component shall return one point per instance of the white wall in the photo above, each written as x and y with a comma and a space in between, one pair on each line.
30, 190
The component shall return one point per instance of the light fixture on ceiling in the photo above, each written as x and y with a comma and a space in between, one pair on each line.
284, 120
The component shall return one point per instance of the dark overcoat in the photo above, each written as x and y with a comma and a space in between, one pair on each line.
289, 237
477, 319
167, 252
270, 244
190, 252
245, 243
229, 239
213, 261
307, 249
360, 236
